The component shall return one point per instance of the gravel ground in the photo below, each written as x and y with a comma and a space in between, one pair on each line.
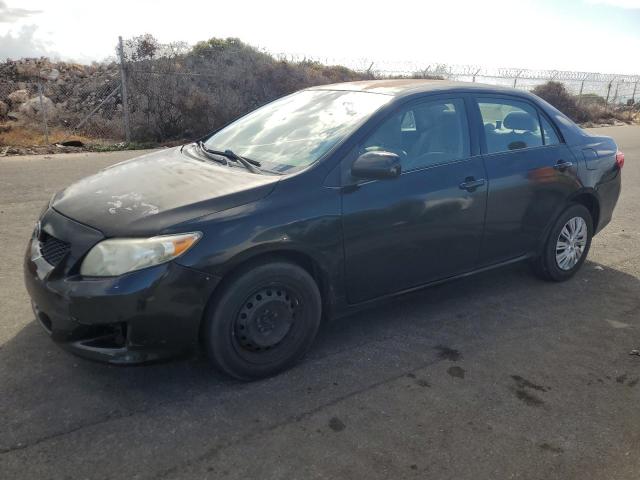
491, 377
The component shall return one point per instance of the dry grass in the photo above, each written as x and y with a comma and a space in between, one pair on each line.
26, 136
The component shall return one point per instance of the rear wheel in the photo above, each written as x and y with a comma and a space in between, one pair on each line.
263, 321
567, 245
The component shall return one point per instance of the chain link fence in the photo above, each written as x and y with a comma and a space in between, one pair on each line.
158, 92
44, 106
613, 88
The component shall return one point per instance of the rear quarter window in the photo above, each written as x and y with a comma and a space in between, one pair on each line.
549, 133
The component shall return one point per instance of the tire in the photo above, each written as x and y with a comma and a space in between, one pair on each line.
548, 265
263, 320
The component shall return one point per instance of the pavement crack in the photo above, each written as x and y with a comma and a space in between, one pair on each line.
96, 421
212, 452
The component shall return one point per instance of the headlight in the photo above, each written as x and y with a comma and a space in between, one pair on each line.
120, 255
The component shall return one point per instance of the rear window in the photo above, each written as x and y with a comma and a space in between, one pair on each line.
509, 125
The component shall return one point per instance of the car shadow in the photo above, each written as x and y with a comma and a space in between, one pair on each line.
49, 391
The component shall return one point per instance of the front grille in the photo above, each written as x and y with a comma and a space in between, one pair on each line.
52, 249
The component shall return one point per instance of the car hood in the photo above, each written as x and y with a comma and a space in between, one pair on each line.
151, 193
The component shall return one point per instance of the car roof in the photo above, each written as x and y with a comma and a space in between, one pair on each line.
408, 86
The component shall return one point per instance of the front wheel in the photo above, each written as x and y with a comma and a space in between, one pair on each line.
567, 245
263, 321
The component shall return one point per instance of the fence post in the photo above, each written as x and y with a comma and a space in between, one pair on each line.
123, 84
43, 109
615, 95
606, 102
581, 89
515, 80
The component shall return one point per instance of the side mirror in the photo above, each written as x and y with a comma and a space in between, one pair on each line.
377, 165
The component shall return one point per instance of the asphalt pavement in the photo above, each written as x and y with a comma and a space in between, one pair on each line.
495, 376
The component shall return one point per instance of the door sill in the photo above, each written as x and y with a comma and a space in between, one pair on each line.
352, 307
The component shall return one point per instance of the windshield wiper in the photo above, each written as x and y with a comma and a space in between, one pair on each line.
248, 163
211, 154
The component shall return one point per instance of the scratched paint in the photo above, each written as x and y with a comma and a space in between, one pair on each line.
131, 202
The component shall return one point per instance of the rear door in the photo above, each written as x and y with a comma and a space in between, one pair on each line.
531, 174
426, 224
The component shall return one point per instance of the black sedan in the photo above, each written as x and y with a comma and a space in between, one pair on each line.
316, 204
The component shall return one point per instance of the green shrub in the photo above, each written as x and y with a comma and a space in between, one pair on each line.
177, 92
589, 108
557, 95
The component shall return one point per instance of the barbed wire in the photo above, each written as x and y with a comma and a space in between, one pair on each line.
172, 93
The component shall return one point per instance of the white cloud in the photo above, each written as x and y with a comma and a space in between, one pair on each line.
9, 14
24, 43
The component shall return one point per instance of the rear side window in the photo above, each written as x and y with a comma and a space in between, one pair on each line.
424, 134
548, 132
509, 125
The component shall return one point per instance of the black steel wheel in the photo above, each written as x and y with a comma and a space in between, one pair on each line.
263, 321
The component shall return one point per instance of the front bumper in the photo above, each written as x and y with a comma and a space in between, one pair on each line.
138, 317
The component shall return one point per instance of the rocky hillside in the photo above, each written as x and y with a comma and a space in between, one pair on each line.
70, 92
175, 92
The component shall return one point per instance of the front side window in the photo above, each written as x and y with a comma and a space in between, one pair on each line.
509, 125
424, 134
295, 131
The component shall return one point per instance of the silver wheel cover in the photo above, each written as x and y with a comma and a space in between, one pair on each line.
571, 243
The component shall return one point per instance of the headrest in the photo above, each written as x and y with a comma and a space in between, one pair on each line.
448, 119
519, 121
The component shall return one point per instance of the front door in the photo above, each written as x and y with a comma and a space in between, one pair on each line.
426, 224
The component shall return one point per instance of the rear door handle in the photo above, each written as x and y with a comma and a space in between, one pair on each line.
562, 165
470, 184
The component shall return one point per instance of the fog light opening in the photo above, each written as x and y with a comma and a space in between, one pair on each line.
108, 337
45, 321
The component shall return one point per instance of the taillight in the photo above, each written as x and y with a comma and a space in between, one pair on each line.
620, 159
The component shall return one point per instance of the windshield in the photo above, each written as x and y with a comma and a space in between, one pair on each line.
295, 131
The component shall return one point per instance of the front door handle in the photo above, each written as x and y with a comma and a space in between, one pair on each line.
562, 165
470, 184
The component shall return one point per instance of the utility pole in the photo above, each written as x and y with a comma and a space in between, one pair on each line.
123, 83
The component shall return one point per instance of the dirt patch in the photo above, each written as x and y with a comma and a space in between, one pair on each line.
456, 372
446, 353
336, 424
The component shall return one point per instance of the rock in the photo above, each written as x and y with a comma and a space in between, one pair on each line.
18, 97
50, 74
4, 109
27, 69
32, 108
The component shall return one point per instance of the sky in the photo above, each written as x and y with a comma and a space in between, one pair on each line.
584, 35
